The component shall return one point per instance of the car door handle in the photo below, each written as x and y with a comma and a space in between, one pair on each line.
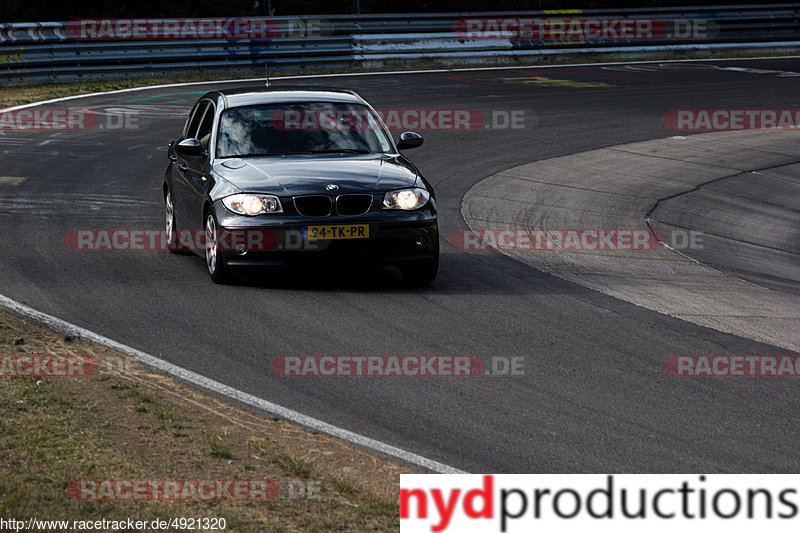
182, 167
173, 158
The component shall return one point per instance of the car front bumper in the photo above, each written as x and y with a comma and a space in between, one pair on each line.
395, 237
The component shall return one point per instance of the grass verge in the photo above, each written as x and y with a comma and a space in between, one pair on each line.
125, 422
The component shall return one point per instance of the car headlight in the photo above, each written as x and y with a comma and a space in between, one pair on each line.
252, 204
406, 199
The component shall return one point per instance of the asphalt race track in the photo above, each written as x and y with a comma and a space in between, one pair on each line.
594, 395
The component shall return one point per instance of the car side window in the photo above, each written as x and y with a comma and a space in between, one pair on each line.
189, 120
206, 125
194, 121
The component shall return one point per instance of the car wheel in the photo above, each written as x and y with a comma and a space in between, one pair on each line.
214, 260
171, 228
422, 272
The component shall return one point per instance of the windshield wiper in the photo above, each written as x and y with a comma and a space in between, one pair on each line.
341, 151
307, 152
268, 154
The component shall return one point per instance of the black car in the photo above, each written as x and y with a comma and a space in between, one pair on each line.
270, 176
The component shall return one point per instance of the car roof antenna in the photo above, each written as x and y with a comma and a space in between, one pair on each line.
266, 66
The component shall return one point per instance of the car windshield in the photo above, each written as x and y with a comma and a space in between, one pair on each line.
302, 128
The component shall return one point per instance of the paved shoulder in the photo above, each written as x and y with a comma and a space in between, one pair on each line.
717, 199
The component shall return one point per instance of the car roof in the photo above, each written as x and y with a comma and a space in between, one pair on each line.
247, 96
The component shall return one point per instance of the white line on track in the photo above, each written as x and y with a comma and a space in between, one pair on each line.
395, 72
214, 386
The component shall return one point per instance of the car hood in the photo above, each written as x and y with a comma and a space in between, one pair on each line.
296, 175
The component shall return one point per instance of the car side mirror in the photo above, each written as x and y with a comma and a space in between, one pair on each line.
409, 139
190, 147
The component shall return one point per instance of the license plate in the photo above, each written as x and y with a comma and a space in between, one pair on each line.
339, 231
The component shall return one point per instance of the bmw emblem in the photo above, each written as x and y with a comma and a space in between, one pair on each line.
331, 186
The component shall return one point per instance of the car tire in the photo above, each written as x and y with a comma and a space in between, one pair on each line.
173, 244
422, 272
215, 262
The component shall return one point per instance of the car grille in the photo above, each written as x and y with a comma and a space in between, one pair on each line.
313, 206
353, 204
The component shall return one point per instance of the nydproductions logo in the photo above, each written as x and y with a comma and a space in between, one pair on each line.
612, 503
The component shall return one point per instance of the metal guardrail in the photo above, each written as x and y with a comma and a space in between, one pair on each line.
58, 51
